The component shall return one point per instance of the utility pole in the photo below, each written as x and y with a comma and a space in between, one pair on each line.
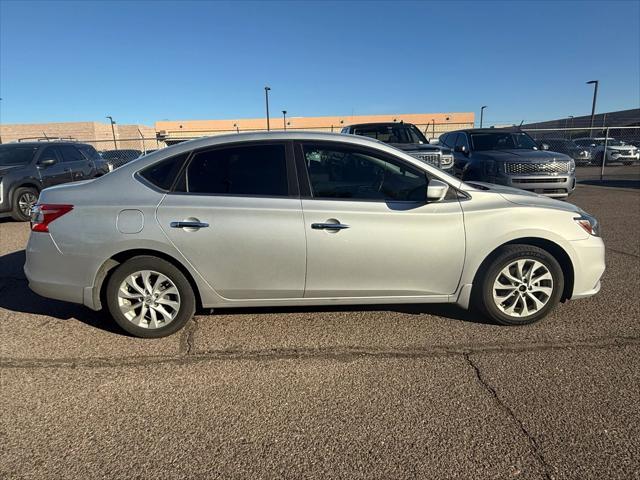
113, 132
593, 106
266, 99
482, 114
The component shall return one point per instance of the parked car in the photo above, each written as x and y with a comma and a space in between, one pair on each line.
580, 155
302, 218
117, 158
617, 151
407, 137
510, 157
28, 167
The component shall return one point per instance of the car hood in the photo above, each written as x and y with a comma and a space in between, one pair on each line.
521, 155
4, 169
522, 197
417, 147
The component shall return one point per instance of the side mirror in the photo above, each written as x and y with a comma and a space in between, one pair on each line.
47, 162
461, 149
544, 146
436, 190
593, 145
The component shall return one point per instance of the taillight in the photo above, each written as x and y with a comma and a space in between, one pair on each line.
43, 214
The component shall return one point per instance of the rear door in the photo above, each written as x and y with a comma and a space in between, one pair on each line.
236, 216
81, 167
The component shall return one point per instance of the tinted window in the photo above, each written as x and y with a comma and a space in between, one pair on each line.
246, 170
342, 172
461, 140
15, 155
502, 141
89, 152
399, 133
451, 139
70, 154
443, 139
49, 152
162, 174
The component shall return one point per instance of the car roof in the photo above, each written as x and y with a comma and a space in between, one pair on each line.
488, 130
44, 144
378, 124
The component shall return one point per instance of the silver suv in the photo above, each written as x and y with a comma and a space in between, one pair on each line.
295, 218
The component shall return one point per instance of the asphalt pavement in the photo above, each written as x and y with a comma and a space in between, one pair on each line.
347, 392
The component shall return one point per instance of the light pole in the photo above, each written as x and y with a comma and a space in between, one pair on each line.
235, 125
113, 132
482, 114
593, 106
266, 99
284, 119
570, 131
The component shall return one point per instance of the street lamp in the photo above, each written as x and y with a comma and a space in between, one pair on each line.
235, 125
113, 132
284, 119
266, 99
482, 114
593, 106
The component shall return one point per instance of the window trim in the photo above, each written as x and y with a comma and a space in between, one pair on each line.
305, 181
292, 182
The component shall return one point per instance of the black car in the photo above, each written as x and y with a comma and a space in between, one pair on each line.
407, 137
510, 157
581, 155
28, 167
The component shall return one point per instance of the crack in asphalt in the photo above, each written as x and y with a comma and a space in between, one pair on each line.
186, 354
621, 252
187, 341
535, 448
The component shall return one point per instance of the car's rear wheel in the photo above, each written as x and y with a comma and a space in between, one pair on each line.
521, 285
24, 198
149, 297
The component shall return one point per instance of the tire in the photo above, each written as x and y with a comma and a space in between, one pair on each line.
526, 309
22, 196
171, 309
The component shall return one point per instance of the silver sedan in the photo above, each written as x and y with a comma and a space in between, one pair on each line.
294, 218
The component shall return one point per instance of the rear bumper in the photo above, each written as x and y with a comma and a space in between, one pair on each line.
52, 274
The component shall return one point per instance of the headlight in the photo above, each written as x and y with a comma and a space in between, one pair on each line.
446, 159
589, 224
572, 166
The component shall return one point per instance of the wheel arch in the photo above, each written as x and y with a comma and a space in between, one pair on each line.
555, 250
108, 267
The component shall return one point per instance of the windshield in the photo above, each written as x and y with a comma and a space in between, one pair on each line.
15, 155
502, 141
400, 133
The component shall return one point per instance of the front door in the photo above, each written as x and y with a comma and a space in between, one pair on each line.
56, 173
371, 232
237, 221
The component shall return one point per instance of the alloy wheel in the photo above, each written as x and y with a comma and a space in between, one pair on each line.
523, 288
149, 299
26, 201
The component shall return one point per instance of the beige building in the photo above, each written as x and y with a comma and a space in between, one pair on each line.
98, 134
432, 124
142, 137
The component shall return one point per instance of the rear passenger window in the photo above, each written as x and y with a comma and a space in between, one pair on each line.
246, 170
162, 174
70, 154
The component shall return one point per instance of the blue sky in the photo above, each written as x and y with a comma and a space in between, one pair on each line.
148, 61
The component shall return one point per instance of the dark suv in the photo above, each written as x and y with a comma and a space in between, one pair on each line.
28, 167
406, 137
510, 157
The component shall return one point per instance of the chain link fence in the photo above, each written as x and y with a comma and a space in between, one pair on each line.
610, 153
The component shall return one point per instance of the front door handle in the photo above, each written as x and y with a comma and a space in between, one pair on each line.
188, 224
329, 226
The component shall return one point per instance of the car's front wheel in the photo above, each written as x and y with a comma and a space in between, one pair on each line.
24, 199
520, 285
149, 297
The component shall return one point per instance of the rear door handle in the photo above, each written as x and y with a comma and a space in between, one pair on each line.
185, 224
329, 226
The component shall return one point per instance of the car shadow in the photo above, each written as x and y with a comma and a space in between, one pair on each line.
620, 183
15, 296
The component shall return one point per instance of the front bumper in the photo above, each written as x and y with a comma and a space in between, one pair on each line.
555, 186
588, 266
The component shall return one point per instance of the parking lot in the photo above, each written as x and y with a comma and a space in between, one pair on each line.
352, 392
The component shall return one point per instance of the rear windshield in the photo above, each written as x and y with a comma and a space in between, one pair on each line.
400, 133
16, 155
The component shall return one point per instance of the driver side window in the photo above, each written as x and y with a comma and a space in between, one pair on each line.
347, 173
